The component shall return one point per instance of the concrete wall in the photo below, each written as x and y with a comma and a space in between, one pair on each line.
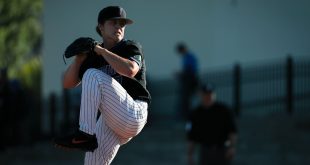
220, 32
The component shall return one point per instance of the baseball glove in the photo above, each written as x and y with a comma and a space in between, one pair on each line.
81, 45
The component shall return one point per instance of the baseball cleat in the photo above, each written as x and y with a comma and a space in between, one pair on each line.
78, 140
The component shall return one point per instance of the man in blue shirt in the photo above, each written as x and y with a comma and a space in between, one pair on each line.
188, 78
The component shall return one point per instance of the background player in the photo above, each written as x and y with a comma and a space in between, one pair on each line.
188, 79
115, 86
212, 127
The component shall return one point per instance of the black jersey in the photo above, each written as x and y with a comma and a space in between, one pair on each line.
211, 125
136, 87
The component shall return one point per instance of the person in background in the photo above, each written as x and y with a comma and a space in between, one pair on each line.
212, 127
187, 78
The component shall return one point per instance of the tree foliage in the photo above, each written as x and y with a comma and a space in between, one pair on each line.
20, 39
20, 30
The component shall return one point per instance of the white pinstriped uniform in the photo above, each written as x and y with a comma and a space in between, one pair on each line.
121, 117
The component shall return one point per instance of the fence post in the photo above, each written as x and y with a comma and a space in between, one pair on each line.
237, 89
52, 104
66, 107
289, 85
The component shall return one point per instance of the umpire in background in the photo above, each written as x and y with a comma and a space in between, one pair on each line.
211, 126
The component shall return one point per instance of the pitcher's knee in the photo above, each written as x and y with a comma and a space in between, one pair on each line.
91, 73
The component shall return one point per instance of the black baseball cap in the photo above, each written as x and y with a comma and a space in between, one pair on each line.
113, 12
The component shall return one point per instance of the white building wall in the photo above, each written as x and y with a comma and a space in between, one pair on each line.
220, 32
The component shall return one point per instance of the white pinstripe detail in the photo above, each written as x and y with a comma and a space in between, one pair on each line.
121, 117
108, 146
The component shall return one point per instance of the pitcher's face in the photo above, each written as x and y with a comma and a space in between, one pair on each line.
113, 29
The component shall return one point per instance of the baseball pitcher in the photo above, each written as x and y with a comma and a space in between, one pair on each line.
112, 75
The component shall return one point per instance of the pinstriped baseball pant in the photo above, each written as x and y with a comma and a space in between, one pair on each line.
121, 117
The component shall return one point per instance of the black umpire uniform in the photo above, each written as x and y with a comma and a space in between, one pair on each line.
211, 125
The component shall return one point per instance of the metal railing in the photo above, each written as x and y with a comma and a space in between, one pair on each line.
282, 85
277, 85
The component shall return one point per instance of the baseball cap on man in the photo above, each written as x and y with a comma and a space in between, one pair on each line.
113, 12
